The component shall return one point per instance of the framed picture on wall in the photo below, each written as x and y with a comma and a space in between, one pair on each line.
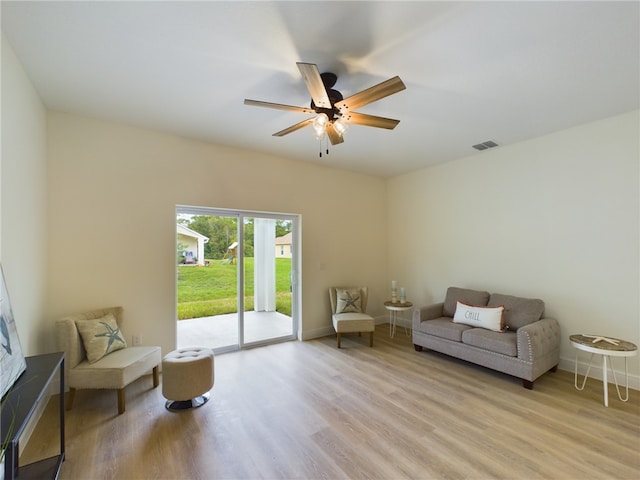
12, 363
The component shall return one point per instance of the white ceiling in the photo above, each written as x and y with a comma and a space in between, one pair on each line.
474, 71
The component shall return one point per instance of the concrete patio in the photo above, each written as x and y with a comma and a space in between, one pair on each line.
222, 330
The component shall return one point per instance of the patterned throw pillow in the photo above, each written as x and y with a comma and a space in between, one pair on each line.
490, 318
100, 336
348, 300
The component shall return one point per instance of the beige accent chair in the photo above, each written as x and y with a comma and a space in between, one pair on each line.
114, 371
351, 322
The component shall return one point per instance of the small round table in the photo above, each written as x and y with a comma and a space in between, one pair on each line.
607, 347
394, 308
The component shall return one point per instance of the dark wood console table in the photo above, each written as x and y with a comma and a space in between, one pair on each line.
20, 404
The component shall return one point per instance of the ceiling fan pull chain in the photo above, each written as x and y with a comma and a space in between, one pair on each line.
324, 137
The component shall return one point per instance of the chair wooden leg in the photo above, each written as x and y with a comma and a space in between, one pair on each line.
371, 339
70, 398
156, 382
338, 336
121, 405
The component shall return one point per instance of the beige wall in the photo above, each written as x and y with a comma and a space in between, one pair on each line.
23, 191
555, 218
109, 183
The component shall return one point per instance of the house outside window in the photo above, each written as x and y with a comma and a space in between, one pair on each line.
283, 246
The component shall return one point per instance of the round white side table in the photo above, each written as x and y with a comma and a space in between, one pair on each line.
607, 347
394, 308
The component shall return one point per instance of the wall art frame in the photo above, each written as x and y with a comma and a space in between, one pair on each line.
12, 362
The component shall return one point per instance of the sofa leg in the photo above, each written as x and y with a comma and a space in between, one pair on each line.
528, 384
156, 382
371, 339
120, 401
338, 338
70, 398
417, 347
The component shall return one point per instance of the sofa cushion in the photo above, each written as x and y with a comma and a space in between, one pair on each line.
518, 311
490, 318
444, 328
499, 342
464, 295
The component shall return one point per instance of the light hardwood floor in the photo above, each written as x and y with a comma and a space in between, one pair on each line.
307, 410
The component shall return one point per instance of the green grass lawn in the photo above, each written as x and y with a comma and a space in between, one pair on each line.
212, 290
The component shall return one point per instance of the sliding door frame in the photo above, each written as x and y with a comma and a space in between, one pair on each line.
296, 287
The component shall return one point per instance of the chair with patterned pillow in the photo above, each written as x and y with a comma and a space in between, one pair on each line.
97, 355
348, 311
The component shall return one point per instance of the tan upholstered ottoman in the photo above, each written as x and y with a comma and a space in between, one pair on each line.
187, 377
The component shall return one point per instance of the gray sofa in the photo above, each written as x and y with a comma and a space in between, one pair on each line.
529, 347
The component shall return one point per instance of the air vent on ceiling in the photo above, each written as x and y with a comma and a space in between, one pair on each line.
485, 145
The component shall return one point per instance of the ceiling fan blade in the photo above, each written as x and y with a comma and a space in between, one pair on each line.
370, 120
279, 106
365, 97
334, 137
293, 128
313, 80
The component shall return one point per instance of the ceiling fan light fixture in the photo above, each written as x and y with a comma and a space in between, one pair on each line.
334, 113
320, 124
340, 126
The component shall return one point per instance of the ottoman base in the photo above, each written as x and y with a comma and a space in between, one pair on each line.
178, 405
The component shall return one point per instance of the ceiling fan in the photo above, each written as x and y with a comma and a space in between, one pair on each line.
333, 112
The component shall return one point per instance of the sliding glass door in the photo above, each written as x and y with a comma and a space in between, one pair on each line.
235, 278
268, 274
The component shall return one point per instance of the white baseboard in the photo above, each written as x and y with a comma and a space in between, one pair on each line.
400, 322
318, 332
380, 319
569, 365
326, 331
